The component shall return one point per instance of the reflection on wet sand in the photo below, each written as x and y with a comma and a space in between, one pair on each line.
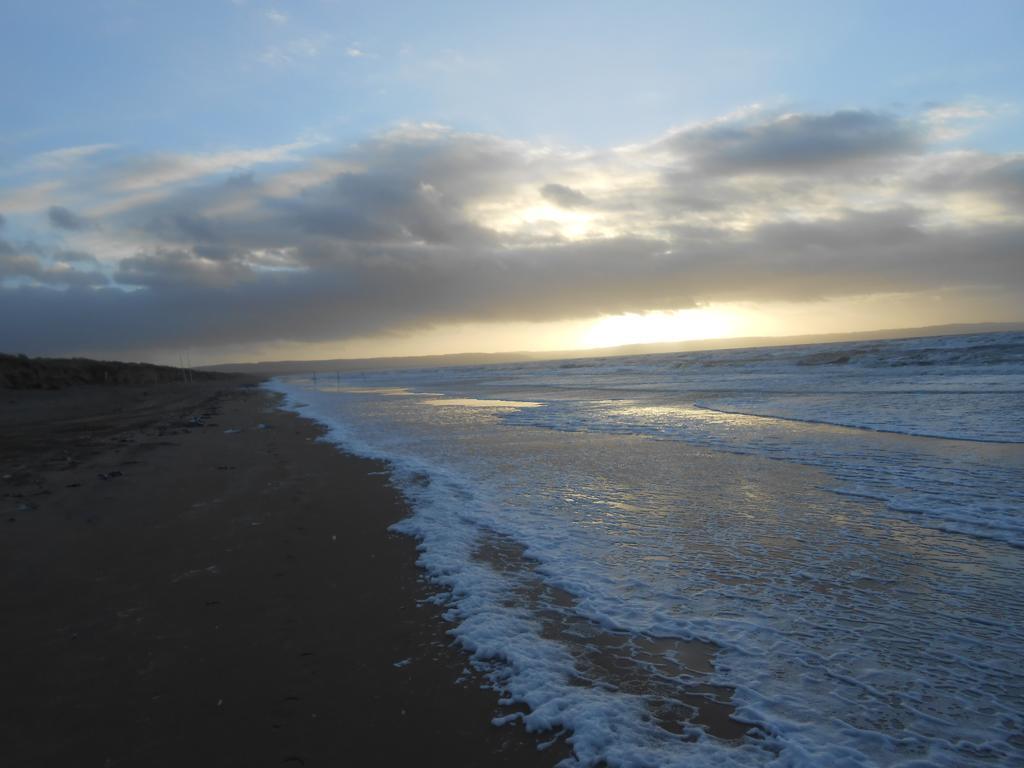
472, 402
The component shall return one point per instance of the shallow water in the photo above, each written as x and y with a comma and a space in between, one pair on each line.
677, 585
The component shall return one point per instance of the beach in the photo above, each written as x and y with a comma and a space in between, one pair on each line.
191, 577
731, 558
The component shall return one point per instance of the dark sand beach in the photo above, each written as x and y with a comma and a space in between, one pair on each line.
191, 578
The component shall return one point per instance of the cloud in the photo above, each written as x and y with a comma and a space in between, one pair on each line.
166, 169
422, 226
30, 197
194, 301
62, 218
277, 16
566, 197
294, 51
170, 268
948, 122
75, 257
1006, 180
797, 143
29, 265
1000, 179
64, 158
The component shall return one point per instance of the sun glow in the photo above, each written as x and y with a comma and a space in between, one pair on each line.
651, 327
543, 218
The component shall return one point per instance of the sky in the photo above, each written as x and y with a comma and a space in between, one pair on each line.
269, 179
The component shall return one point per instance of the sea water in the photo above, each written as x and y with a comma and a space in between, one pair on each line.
790, 556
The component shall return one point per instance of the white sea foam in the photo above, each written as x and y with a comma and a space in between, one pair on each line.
629, 565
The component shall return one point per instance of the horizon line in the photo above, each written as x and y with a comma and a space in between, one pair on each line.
618, 350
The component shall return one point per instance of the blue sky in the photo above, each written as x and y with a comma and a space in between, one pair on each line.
168, 100
196, 75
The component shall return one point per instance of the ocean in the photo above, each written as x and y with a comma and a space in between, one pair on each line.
787, 556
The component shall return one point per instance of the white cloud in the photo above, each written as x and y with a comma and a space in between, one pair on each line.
949, 122
168, 169
29, 198
61, 159
293, 51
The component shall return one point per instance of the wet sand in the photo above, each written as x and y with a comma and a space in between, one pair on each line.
181, 586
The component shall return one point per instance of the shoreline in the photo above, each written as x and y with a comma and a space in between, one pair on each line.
186, 586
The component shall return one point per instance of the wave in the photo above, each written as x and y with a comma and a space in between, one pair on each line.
850, 425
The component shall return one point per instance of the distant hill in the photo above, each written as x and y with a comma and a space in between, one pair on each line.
280, 367
21, 372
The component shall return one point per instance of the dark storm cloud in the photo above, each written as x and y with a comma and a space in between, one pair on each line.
395, 235
28, 262
797, 143
367, 290
62, 218
176, 268
564, 196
